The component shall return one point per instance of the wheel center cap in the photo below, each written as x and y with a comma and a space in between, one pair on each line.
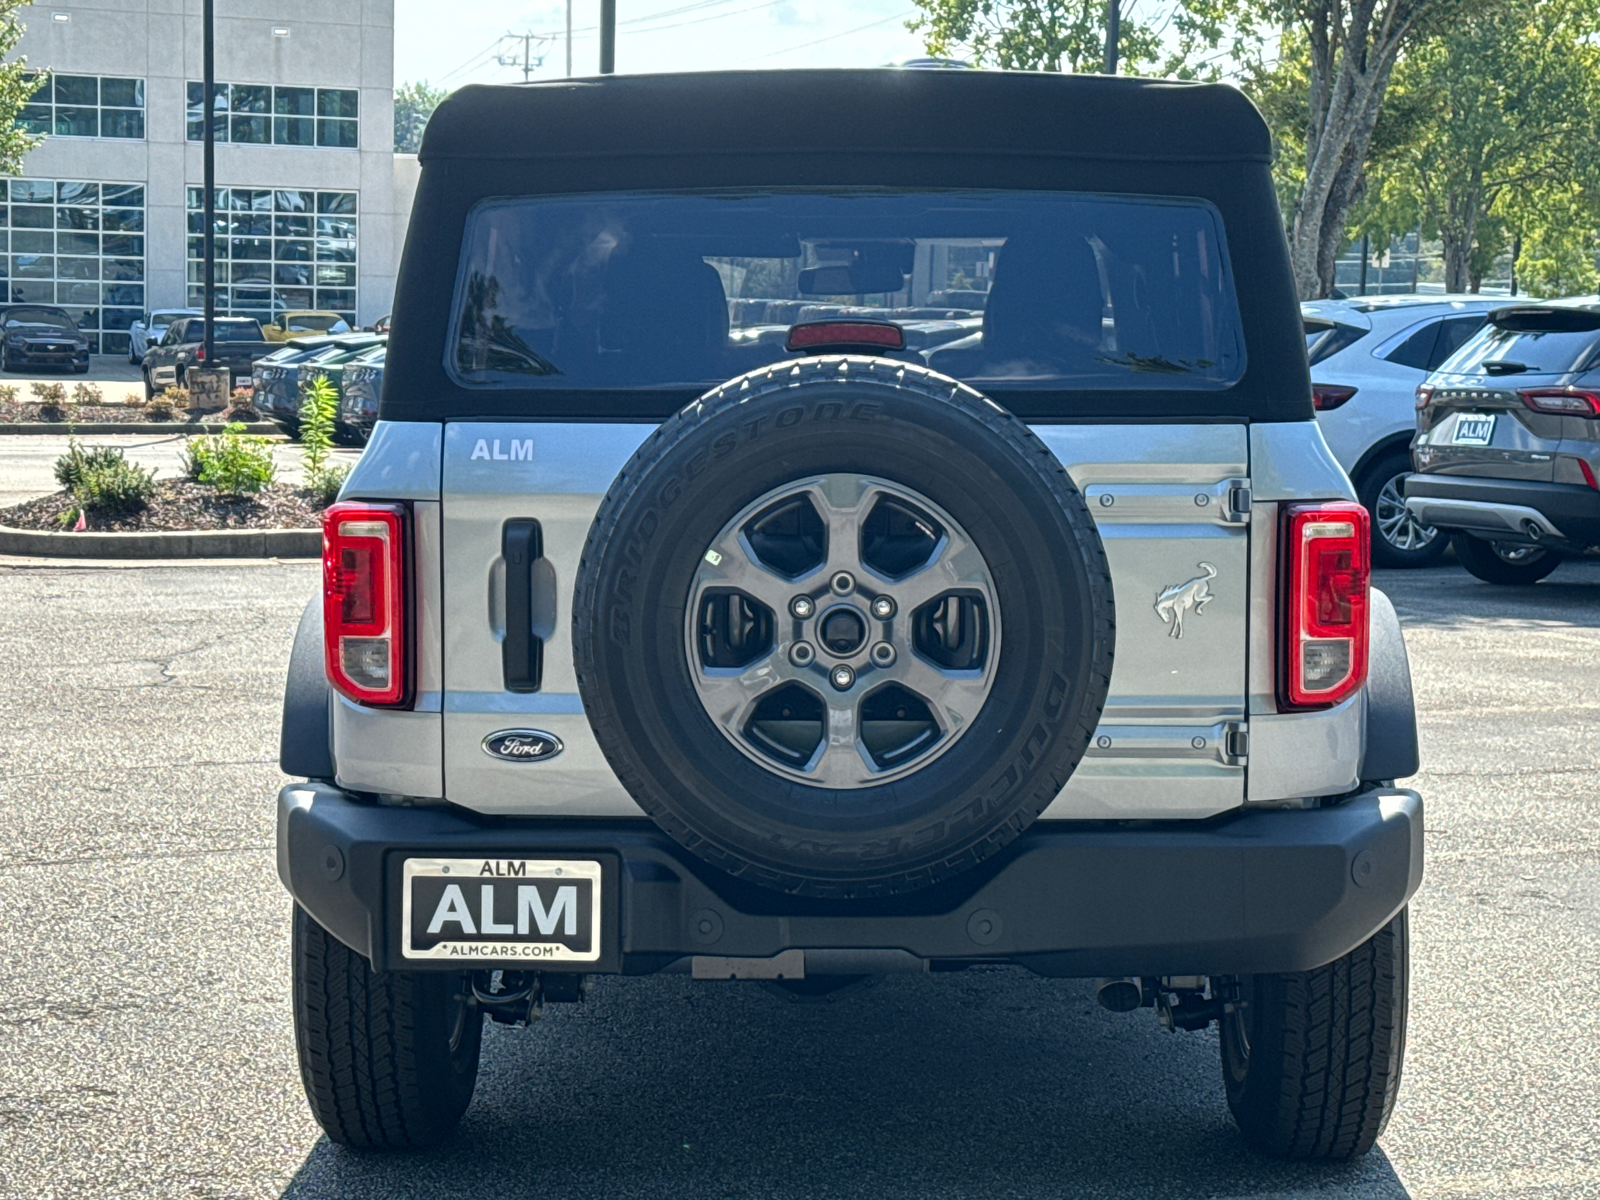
842, 631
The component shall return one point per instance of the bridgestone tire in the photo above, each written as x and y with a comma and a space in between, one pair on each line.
1312, 1061
375, 1054
917, 429
1480, 559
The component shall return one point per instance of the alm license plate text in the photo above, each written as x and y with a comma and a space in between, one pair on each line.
1473, 429
496, 909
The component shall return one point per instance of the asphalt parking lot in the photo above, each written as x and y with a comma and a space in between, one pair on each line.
145, 1033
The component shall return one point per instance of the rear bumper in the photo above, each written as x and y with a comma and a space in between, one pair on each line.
1508, 510
1248, 893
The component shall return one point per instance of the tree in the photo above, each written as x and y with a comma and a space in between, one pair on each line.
17, 84
413, 105
1043, 35
1510, 149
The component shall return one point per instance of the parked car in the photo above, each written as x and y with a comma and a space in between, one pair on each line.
381, 325
1508, 442
237, 342
358, 401
648, 649
278, 379
304, 323
1367, 357
38, 335
152, 327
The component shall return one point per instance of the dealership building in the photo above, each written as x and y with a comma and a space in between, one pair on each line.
106, 219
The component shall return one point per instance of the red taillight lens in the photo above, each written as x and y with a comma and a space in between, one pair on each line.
363, 602
1567, 402
1327, 549
845, 335
1327, 396
1424, 394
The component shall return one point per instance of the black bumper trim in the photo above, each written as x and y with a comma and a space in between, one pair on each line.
1248, 893
1572, 508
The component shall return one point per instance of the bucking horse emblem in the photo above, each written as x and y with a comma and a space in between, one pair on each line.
1173, 603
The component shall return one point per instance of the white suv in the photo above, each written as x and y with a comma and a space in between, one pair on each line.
1368, 354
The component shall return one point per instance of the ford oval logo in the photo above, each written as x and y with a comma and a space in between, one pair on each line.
522, 745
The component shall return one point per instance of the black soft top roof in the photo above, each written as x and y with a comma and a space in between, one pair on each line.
882, 128
949, 113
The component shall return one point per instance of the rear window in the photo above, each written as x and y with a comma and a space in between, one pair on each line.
315, 323
250, 332
1324, 339
1027, 289
1514, 352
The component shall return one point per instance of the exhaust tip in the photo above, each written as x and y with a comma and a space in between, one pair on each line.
1120, 995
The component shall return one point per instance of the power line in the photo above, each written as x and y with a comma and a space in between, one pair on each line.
834, 36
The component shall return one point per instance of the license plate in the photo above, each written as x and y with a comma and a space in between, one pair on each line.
498, 909
1472, 429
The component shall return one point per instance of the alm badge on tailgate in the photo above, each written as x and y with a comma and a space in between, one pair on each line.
497, 909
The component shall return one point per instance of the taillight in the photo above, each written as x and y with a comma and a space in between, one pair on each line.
1327, 396
200, 353
363, 602
1326, 548
1424, 394
1568, 402
846, 335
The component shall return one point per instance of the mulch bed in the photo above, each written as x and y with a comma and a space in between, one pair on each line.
177, 505
120, 414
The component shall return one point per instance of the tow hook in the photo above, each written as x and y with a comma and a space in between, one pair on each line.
1183, 1002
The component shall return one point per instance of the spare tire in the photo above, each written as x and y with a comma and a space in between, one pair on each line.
843, 627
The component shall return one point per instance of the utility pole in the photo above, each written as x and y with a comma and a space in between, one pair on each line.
1113, 34
1366, 253
528, 64
569, 39
209, 72
608, 37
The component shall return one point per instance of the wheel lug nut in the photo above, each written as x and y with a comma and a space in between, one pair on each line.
883, 608
843, 583
801, 654
841, 677
883, 654
802, 607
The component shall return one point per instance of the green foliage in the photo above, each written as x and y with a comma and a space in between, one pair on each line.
319, 407
324, 483
159, 408
17, 85
85, 393
8, 393
234, 462
102, 480
413, 105
52, 400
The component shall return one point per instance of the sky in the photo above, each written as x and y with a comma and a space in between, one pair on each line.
652, 35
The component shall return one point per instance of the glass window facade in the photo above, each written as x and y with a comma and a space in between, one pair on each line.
278, 249
262, 115
79, 245
89, 106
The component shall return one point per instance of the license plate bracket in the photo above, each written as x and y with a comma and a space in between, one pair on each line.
503, 910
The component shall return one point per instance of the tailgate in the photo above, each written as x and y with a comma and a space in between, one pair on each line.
1171, 504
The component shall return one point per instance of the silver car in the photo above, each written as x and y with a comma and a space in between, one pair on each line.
150, 327
1368, 355
1508, 442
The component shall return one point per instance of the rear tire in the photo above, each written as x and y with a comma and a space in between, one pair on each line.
1398, 540
388, 1061
1311, 1060
1525, 565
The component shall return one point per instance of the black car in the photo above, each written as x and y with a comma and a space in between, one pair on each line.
38, 335
277, 377
358, 405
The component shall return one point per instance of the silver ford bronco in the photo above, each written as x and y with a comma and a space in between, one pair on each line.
831, 523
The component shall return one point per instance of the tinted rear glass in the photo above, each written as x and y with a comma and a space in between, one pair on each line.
38, 318
231, 333
1543, 353
1029, 289
1324, 339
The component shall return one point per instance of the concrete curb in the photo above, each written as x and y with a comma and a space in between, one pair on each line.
200, 543
75, 428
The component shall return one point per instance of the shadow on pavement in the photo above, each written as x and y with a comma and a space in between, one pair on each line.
1445, 596
988, 1083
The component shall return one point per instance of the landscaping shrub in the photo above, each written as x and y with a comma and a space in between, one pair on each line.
176, 396
324, 483
159, 408
133, 400
8, 393
242, 406
85, 393
234, 462
319, 406
52, 398
102, 480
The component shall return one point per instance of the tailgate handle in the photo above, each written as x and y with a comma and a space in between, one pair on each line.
522, 651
